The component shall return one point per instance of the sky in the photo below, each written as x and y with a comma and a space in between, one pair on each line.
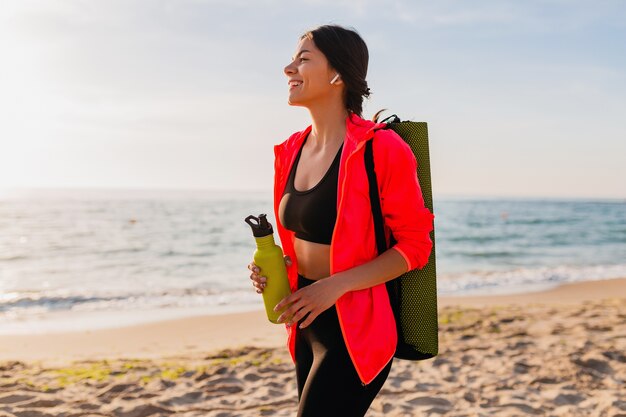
522, 99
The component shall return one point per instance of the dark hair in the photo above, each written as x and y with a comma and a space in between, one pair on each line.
346, 52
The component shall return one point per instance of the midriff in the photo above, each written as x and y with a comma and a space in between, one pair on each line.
313, 259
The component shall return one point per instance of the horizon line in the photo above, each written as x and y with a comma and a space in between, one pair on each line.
16, 190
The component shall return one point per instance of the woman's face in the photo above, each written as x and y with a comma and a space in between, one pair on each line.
309, 75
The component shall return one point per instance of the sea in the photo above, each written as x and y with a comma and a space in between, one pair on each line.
81, 259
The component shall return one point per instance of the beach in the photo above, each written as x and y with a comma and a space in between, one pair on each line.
559, 352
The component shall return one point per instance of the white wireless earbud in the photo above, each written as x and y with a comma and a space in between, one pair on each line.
334, 78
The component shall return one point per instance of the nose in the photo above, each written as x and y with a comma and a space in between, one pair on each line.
289, 69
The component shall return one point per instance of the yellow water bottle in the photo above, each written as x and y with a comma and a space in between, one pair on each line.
269, 258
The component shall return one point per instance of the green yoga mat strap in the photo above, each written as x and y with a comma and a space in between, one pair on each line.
413, 295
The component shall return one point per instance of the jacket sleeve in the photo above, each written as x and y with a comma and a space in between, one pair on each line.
402, 203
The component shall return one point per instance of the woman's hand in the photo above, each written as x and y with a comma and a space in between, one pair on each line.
259, 281
312, 299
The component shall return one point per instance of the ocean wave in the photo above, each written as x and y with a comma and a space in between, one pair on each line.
26, 302
500, 237
514, 280
9, 258
490, 254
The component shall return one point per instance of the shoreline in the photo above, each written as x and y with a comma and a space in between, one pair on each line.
199, 335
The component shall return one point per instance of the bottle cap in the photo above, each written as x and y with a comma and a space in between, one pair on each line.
261, 227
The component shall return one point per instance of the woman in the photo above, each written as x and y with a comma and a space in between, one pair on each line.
341, 329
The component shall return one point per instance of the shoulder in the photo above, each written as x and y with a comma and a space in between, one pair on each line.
289, 139
288, 144
388, 144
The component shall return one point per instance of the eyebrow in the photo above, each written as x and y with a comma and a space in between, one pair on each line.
300, 53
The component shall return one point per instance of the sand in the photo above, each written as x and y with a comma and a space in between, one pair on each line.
560, 352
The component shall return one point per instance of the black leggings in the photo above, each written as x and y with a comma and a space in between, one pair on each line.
328, 384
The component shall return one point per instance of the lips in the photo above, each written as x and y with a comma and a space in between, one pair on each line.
294, 83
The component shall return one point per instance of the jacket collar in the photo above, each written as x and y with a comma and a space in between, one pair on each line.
357, 130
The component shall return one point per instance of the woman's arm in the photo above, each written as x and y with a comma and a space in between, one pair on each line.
404, 212
383, 268
402, 203
320, 295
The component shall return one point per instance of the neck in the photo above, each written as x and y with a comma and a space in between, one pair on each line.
328, 127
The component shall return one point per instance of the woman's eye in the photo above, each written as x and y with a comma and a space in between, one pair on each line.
303, 59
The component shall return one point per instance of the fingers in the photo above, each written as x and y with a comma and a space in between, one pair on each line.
291, 310
312, 315
259, 282
301, 311
296, 308
290, 299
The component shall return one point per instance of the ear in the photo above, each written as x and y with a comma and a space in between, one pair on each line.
336, 79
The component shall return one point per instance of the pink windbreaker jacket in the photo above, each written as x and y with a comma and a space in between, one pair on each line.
365, 316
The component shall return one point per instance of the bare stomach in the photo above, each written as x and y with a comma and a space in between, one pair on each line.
313, 259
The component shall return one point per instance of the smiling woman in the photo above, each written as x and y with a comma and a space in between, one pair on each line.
348, 55
341, 330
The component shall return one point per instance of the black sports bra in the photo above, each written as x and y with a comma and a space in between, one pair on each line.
311, 213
